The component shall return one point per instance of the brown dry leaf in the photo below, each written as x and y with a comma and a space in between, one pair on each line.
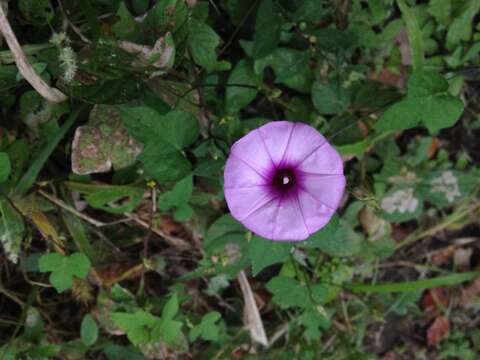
461, 258
470, 293
161, 55
107, 277
441, 256
434, 145
438, 331
374, 226
435, 301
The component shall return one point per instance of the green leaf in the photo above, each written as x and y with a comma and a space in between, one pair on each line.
116, 199
221, 230
179, 129
448, 280
202, 42
290, 67
37, 11
64, 268
168, 329
164, 136
171, 308
89, 330
288, 292
441, 10
183, 213
90, 12
138, 326
267, 29
166, 15
242, 87
414, 32
30, 176
461, 27
5, 167
337, 238
309, 10
207, 329
331, 98
163, 166
427, 102
264, 253
179, 196
126, 27
448, 187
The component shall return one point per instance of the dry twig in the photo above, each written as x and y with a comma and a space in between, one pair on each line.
25, 68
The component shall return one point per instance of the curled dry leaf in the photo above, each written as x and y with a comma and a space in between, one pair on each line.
103, 143
438, 331
461, 258
435, 301
469, 294
161, 56
375, 227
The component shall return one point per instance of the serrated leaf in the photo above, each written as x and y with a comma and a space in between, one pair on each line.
263, 253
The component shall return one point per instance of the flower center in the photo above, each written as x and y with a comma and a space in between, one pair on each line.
284, 179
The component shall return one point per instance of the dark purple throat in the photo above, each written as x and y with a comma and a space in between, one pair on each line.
284, 179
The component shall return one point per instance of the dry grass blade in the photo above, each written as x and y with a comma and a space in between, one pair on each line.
252, 315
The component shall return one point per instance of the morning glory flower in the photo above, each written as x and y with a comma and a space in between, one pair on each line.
283, 181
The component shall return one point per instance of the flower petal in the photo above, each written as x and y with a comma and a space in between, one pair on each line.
251, 149
327, 189
304, 141
238, 174
244, 201
262, 220
290, 222
324, 160
276, 136
317, 214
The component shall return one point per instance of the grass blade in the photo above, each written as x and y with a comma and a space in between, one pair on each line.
29, 178
448, 280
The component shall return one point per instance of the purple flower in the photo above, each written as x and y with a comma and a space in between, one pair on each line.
283, 181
